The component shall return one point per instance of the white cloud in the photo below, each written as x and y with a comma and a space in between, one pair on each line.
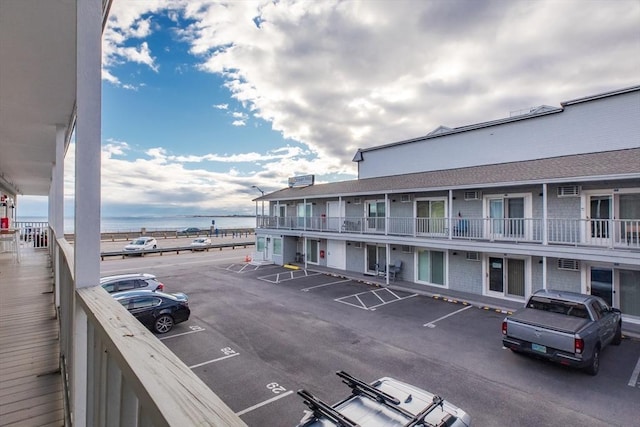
336, 75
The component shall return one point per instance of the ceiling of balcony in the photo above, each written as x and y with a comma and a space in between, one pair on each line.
37, 89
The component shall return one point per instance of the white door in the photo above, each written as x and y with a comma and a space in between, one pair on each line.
336, 254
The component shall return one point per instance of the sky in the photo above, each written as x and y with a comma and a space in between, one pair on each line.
202, 100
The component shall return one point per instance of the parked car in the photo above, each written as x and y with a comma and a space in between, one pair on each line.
141, 244
132, 281
190, 230
200, 243
386, 402
565, 327
158, 311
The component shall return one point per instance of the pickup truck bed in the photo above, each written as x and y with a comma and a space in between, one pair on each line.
564, 327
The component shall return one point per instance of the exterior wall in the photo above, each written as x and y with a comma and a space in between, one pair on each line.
465, 275
355, 258
579, 128
563, 280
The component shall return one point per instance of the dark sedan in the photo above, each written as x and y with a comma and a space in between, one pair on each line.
158, 311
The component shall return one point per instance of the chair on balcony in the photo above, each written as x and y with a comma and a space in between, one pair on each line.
395, 269
461, 228
381, 270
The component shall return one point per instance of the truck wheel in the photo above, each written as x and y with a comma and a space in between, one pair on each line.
594, 365
617, 338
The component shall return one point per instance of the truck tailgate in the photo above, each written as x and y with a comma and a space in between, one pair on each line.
549, 329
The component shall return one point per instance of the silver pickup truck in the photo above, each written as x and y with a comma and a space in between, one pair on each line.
565, 327
386, 402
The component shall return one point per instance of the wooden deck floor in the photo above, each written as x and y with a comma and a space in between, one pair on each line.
31, 392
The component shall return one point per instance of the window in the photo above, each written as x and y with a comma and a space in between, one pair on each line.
312, 251
630, 292
260, 244
431, 216
144, 302
508, 215
277, 246
375, 215
431, 267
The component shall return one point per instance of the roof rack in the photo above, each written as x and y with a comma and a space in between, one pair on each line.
320, 408
419, 419
359, 387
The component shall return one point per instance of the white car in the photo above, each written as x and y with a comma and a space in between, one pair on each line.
141, 244
200, 243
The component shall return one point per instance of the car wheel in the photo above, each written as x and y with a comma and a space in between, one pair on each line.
163, 324
617, 338
594, 365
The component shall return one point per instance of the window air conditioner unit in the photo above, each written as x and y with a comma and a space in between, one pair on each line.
568, 264
407, 249
357, 201
472, 195
405, 198
357, 245
473, 256
568, 191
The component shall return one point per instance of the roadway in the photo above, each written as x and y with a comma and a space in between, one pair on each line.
259, 333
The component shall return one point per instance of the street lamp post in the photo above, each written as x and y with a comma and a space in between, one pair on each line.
262, 192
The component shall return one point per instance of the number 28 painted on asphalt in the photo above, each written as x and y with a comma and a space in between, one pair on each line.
276, 388
227, 351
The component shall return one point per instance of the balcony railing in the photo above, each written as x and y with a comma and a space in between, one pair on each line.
592, 232
117, 372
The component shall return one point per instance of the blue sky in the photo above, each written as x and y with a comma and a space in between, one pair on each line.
203, 99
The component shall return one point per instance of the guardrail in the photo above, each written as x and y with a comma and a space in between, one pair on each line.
177, 250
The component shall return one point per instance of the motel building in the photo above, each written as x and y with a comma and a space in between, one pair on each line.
545, 199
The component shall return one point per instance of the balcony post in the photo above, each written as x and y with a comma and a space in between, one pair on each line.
386, 213
545, 234
87, 188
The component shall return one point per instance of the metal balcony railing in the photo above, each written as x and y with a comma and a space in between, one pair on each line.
618, 233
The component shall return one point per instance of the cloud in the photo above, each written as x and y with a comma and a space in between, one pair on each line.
337, 75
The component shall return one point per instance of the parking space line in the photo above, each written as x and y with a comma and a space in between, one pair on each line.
181, 334
634, 376
325, 284
266, 402
374, 292
432, 323
292, 275
214, 360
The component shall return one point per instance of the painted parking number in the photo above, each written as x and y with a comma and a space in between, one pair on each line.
196, 328
228, 351
276, 388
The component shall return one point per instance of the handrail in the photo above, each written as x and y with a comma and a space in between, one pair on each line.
167, 391
131, 378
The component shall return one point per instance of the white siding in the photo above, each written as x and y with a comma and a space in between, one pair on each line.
604, 124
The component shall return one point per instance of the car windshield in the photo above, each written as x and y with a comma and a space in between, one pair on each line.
139, 242
199, 241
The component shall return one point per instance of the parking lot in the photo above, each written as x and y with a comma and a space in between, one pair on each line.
257, 334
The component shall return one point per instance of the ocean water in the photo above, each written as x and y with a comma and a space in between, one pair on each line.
154, 223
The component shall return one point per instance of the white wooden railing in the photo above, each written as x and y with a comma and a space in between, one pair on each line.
129, 377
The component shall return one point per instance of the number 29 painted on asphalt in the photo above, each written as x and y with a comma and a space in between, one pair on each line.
276, 388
